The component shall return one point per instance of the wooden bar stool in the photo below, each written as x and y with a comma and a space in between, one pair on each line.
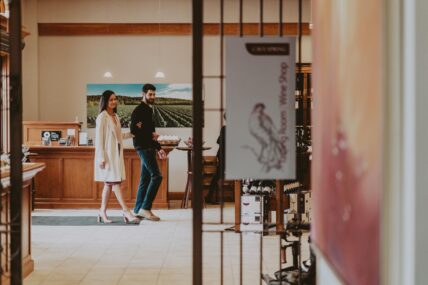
188, 189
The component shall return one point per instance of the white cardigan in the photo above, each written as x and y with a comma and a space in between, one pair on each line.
106, 149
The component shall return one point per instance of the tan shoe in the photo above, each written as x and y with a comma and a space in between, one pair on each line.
154, 217
147, 214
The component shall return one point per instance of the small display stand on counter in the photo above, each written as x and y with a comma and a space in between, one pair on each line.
50, 133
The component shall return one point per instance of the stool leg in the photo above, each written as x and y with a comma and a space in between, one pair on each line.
186, 190
189, 190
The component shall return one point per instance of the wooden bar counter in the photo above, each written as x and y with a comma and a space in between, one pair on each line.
29, 171
68, 180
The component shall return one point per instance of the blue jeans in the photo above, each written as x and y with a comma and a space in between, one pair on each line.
150, 180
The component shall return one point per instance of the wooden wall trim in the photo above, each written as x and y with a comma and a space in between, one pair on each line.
175, 195
169, 29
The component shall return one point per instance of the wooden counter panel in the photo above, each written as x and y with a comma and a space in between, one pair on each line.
163, 167
68, 180
49, 178
135, 177
78, 178
98, 190
127, 189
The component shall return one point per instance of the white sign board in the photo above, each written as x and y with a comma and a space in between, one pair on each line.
260, 108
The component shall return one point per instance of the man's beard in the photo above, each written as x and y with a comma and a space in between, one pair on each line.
150, 101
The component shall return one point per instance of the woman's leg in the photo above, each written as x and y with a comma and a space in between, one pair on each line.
117, 189
104, 203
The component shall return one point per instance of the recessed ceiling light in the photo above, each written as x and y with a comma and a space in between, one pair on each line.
108, 74
160, 74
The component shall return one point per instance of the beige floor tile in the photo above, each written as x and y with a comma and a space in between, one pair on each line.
142, 271
39, 274
169, 281
93, 277
68, 267
143, 279
60, 282
137, 282
61, 276
30, 281
107, 270
98, 282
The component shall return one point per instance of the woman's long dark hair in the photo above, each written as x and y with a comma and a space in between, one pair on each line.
105, 97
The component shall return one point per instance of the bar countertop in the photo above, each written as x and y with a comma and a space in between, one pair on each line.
29, 170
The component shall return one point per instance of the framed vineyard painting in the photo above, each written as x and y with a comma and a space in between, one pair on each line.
172, 108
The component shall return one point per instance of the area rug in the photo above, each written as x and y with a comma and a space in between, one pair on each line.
76, 221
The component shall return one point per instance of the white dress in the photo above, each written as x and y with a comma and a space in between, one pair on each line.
107, 150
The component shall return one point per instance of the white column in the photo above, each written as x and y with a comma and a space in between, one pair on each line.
394, 207
417, 82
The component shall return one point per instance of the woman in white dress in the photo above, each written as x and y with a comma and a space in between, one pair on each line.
109, 162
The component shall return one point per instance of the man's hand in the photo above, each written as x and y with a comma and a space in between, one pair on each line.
139, 125
102, 164
155, 136
162, 154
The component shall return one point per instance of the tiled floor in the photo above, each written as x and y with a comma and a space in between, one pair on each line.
151, 253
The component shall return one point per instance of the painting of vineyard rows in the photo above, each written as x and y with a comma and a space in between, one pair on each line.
172, 108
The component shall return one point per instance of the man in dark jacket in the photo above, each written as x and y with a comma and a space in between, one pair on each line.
146, 144
218, 177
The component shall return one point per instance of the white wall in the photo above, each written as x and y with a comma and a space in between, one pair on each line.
172, 11
30, 62
393, 264
59, 67
420, 117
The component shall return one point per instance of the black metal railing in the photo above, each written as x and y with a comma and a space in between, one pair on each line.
303, 88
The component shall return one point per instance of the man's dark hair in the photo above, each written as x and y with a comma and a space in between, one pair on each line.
105, 97
148, 87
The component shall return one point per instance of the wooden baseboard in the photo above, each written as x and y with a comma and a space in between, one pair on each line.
175, 195
179, 196
28, 266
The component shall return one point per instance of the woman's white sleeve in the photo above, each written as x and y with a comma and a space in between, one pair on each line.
100, 137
